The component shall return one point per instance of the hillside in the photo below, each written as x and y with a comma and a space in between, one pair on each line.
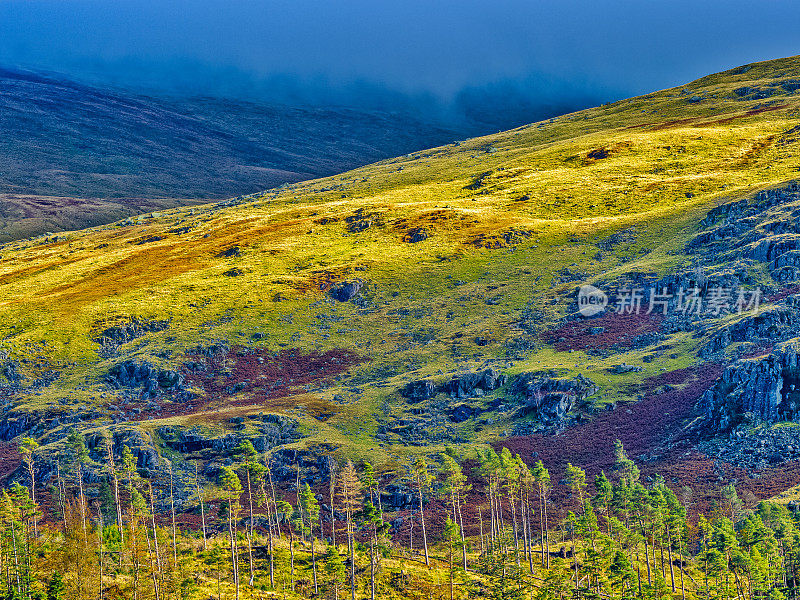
70, 144
430, 300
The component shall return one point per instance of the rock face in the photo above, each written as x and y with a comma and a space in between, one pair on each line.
273, 430
346, 290
314, 464
768, 388
416, 391
130, 374
397, 497
467, 385
773, 324
548, 397
764, 228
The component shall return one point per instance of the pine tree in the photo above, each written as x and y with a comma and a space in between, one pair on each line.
334, 568
542, 478
349, 488
111, 466
232, 488
137, 507
199, 493
311, 510
55, 587
454, 488
265, 500
640, 502
577, 483
510, 476
621, 574
453, 538
287, 511
370, 483
81, 455
422, 479
27, 448
624, 468
247, 454
602, 499
371, 521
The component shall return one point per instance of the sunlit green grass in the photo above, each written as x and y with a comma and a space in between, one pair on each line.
667, 159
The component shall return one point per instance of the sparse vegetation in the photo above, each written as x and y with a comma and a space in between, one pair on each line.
295, 320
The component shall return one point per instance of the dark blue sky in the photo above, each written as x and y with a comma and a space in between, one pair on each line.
437, 47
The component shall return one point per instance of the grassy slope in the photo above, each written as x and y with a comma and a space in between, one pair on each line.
654, 163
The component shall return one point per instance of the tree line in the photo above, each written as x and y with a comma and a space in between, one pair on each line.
617, 537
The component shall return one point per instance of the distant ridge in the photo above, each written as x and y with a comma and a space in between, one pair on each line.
65, 139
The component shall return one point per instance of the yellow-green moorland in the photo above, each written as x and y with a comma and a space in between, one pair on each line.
454, 245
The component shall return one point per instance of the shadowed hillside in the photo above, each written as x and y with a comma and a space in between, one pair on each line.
61, 139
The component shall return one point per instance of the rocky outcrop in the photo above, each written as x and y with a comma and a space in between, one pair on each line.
151, 380
764, 228
468, 385
346, 290
473, 384
397, 496
273, 430
125, 331
213, 449
416, 391
549, 397
772, 324
314, 465
462, 412
765, 388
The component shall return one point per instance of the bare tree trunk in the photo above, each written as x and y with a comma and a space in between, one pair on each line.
514, 525
680, 553
669, 556
117, 504
82, 500
32, 475
100, 546
155, 533
152, 566
331, 485
424, 533
274, 502
174, 528
574, 554
372, 568
202, 507
546, 530
134, 560
250, 527
16, 558
291, 552
351, 543
234, 561
647, 557
491, 517
463, 540
271, 557
61, 496
526, 529
480, 521
314, 557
